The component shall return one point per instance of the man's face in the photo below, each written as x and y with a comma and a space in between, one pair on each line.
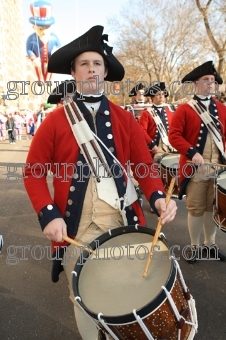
205, 85
159, 98
140, 95
89, 72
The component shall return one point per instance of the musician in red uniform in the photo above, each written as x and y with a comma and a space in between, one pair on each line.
198, 132
155, 122
82, 206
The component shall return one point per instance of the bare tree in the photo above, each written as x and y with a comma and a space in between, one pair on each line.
215, 22
158, 42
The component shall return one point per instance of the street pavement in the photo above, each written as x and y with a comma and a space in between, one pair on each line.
32, 307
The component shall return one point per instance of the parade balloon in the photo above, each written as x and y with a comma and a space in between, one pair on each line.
43, 43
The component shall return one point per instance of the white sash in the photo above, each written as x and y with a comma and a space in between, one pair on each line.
211, 126
106, 187
161, 128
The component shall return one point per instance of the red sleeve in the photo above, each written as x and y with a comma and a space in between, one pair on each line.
145, 123
36, 168
144, 170
177, 131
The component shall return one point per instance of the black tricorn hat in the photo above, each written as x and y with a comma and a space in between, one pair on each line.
93, 40
160, 86
135, 89
202, 70
68, 87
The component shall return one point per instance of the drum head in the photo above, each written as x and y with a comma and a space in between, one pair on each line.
170, 161
112, 282
221, 182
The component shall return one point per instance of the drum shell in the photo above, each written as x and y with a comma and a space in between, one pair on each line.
168, 172
219, 210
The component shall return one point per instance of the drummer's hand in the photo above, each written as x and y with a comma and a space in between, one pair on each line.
55, 229
197, 159
154, 149
167, 213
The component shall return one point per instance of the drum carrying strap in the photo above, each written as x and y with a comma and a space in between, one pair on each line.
211, 126
92, 151
161, 128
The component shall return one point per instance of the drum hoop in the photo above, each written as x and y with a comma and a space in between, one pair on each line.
221, 189
218, 223
145, 310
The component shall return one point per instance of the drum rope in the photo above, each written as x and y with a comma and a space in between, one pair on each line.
193, 313
179, 334
106, 327
142, 325
175, 310
180, 274
191, 301
177, 314
77, 299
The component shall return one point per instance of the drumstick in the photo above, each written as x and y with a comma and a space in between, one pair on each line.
212, 164
166, 153
158, 228
77, 244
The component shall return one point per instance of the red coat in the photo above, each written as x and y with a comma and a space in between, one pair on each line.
54, 142
148, 125
186, 131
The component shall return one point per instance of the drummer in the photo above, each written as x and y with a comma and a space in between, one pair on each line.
155, 122
138, 99
200, 143
83, 206
137, 94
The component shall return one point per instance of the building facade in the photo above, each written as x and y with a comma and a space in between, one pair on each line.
14, 64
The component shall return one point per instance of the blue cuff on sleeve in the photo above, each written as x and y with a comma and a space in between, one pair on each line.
155, 195
151, 144
47, 214
191, 152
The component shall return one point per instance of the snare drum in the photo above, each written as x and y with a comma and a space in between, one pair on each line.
169, 169
110, 288
139, 108
219, 209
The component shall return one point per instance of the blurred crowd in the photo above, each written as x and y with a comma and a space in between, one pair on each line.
14, 123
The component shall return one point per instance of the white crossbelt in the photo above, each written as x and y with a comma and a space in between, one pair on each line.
211, 126
106, 187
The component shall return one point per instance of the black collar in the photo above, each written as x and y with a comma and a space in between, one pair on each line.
201, 99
